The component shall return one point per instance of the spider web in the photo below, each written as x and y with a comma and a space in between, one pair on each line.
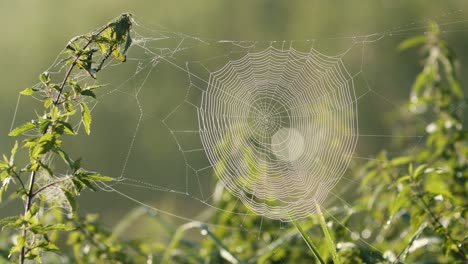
276, 123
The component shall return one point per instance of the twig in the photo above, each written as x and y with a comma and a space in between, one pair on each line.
27, 207
50, 185
73, 64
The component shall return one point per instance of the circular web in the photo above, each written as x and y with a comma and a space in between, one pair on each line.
279, 127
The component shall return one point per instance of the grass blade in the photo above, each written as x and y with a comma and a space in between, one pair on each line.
308, 242
328, 238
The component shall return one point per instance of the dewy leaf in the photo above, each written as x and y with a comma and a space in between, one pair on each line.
21, 129
86, 117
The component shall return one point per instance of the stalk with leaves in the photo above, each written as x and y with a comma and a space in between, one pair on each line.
64, 96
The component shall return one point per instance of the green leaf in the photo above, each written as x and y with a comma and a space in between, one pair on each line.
21, 129
77, 164
118, 55
86, 117
48, 102
20, 242
88, 93
71, 200
45, 77
401, 160
32, 212
412, 42
65, 157
61, 227
4, 165
98, 177
9, 220
419, 171
28, 91
64, 127
43, 145
400, 200
436, 184
13, 153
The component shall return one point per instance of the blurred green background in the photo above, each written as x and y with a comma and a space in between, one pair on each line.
34, 32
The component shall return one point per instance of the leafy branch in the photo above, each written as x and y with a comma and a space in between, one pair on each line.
43, 135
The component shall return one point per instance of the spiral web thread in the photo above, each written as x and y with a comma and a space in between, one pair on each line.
279, 127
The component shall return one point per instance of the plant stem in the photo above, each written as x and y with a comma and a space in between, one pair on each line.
27, 207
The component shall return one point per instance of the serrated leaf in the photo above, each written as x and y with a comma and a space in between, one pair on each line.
9, 220
21, 129
43, 145
64, 127
13, 153
86, 118
20, 242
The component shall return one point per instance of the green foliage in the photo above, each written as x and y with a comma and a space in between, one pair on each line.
42, 137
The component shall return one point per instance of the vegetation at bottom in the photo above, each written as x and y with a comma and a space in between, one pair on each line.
408, 209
